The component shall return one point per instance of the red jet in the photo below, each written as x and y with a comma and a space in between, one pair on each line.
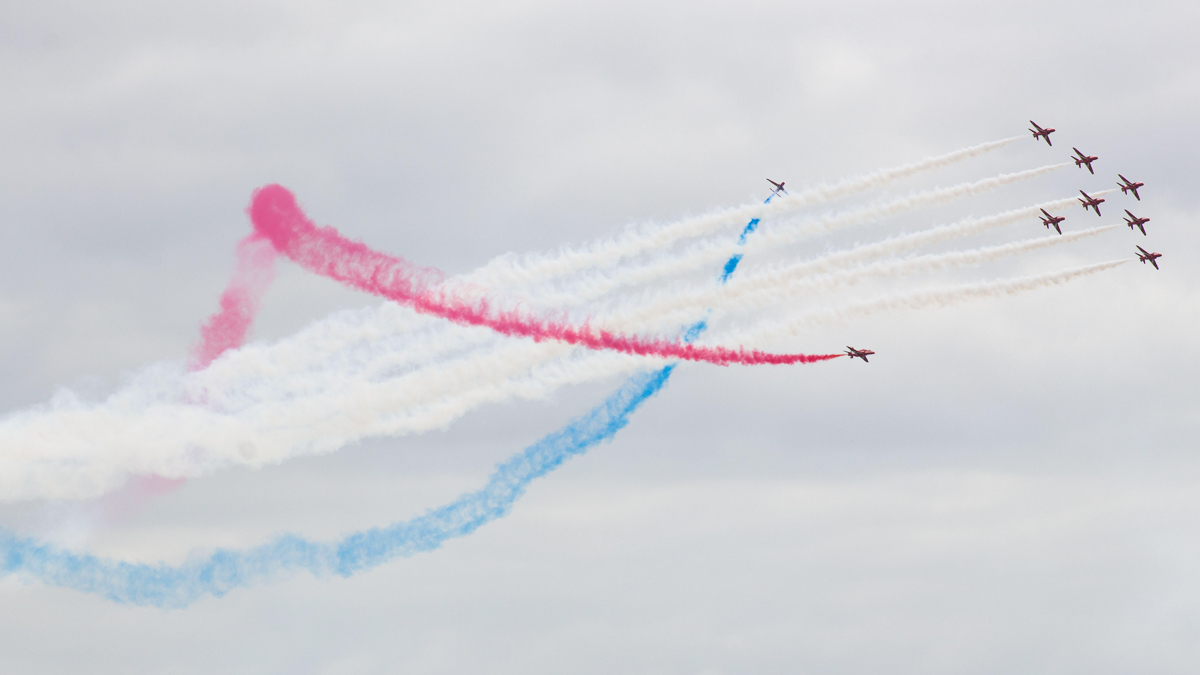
1049, 220
1040, 132
778, 187
1133, 221
1147, 257
1084, 159
1127, 185
858, 353
1090, 201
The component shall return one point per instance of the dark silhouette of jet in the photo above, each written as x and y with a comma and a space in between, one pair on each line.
1040, 132
1049, 220
858, 353
1133, 221
1090, 201
1127, 185
1148, 257
1084, 159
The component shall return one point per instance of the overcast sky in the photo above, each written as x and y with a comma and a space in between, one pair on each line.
1011, 485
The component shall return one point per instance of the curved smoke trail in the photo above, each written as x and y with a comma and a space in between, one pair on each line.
327, 253
224, 570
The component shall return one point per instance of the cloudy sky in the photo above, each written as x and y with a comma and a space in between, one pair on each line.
1009, 486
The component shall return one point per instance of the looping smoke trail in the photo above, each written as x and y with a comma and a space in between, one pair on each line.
240, 301
324, 251
225, 570
539, 268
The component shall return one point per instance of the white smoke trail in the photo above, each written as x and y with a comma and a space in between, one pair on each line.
74, 450
536, 269
381, 372
769, 287
712, 252
914, 300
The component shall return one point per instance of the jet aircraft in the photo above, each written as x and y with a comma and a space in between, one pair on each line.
1090, 201
1133, 221
1127, 185
858, 353
1148, 257
778, 187
1043, 133
1049, 220
1084, 159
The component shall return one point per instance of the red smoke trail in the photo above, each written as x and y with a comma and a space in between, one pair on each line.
239, 303
324, 251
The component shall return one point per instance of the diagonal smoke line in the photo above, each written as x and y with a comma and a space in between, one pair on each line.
509, 270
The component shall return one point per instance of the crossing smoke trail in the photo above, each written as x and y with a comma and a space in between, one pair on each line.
340, 381
225, 570
540, 268
324, 251
162, 585
337, 382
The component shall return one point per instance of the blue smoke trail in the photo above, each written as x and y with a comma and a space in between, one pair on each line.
224, 570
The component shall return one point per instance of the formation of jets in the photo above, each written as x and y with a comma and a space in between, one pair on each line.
1089, 202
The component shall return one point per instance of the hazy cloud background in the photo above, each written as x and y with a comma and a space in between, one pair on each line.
1010, 486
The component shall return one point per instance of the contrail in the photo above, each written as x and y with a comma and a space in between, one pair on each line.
324, 251
227, 328
711, 252
507, 270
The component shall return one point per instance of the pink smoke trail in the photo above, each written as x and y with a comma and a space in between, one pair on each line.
227, 328
324, 251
